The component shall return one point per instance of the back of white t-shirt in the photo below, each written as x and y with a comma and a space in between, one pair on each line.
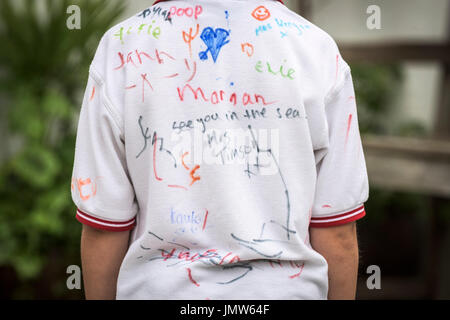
219, 131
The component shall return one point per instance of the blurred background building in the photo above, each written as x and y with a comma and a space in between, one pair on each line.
402, 80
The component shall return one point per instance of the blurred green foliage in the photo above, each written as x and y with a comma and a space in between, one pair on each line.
43, 70
377, 87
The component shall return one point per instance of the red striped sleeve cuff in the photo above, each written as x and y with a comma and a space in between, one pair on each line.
338, 219
97, 223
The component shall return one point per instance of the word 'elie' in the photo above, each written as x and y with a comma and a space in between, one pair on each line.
288, 75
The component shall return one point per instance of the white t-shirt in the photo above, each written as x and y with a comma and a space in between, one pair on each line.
219, 131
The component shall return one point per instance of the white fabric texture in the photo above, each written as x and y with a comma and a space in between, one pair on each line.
219, 132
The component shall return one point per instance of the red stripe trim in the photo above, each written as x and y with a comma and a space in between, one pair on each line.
339, 222
338, 215
105, 221
102, 227
158, 1
95, 225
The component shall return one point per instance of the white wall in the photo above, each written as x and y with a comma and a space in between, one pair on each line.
402, 20
345, 20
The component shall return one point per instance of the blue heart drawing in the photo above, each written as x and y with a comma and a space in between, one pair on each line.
214, 41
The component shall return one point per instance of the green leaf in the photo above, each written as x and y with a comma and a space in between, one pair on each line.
24, 114
28, 266
55, 104
37, 165
46, 221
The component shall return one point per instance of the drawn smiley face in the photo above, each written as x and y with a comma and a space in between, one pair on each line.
261, 13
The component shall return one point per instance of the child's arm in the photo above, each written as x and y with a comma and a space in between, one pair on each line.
102, 253
102, 189
342, 186
339, 246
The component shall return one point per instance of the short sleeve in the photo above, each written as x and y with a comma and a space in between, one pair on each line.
101, 187
342, 183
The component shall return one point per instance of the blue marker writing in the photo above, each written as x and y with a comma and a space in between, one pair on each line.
214, 40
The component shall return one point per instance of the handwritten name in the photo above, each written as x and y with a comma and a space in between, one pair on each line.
156, 11
220, 96
268, 67
143, 29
